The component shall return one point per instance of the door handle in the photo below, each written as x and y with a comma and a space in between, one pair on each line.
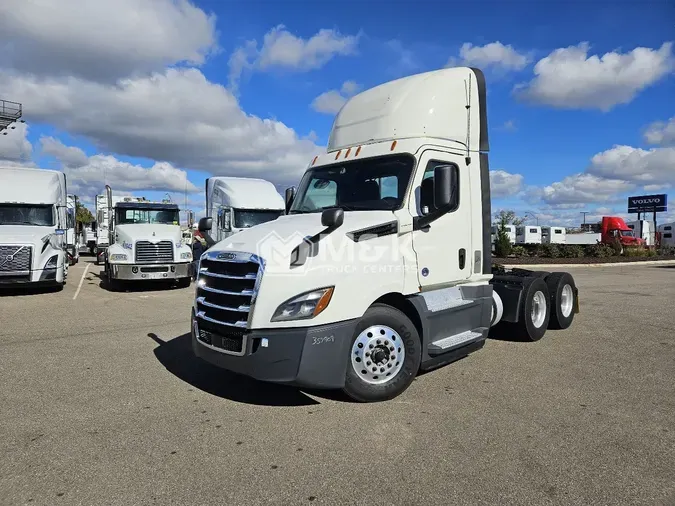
462, 258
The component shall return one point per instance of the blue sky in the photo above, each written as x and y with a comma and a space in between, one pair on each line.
544, 140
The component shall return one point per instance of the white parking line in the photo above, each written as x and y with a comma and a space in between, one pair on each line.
79, 287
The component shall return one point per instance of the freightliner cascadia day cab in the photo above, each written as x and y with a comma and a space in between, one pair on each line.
145, 242
33, 222
237, 203
382, 265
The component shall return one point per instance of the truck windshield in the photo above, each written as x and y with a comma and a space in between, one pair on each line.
36, 215
626, 233
155, 216
364, 185
245, 218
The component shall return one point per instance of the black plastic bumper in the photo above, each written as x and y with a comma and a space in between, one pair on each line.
310, 357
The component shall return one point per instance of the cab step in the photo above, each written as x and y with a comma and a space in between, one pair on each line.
448, 343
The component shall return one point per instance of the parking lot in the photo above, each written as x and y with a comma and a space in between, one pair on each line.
102, 402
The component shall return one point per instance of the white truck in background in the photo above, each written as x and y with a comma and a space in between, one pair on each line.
33, 223
528, 234
145, 242
102, 223
390, 275
238, 203
667, 231
553, 235
73, 237
644, 229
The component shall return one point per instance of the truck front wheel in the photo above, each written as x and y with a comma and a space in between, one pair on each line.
385, 355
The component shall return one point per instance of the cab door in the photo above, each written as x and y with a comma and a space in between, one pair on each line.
443, 247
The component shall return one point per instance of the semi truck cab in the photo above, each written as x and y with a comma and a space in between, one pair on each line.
382, 265
146, 242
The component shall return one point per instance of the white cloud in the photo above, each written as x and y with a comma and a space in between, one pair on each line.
176, 116
104, 39
89, 174
570, 78
661, 133
505, 184
15, 148
579, 189
282, 49
493, 55
331, 101
644, 167
69, 156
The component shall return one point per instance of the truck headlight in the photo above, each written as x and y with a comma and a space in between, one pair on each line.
52, 262
186, 255
118, 257
304, 306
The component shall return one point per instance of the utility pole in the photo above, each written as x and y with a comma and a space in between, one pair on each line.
584, 213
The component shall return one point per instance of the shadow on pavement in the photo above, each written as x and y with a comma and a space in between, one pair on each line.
22, 291
177, 356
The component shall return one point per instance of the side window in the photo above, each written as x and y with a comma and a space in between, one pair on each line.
667, 236
388, 187
533, 231
427, 186
321, 193
668, 228
558, 231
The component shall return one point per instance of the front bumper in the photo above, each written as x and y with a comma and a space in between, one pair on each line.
138, 272
35, 277
309, 357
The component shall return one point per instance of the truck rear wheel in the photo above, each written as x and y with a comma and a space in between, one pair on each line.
385, 355
563, 295
535, 311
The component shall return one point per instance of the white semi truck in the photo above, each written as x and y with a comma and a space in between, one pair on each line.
72, 236
145, 242
238, 203
33, 223
366, 290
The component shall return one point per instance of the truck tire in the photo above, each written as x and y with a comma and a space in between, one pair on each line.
385, 354
535, 311
112, 283
562, 298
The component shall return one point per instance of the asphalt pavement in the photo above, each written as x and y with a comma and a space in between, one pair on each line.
102, 402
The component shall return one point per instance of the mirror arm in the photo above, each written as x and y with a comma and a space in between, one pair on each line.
420, 222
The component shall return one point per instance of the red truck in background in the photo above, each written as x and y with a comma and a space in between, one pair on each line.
614, 229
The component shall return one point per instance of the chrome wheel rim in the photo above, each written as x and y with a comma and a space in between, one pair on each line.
538, 309
566, 300
378, 354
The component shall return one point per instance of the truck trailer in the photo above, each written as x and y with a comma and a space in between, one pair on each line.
238, 203
33, 224
145, 242
393, 273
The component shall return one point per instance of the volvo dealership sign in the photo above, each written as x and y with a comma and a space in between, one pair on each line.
648, 203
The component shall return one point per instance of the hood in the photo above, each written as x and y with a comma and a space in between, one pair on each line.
287, 231
22, 234
145, 231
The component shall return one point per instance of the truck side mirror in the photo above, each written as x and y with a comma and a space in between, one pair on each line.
289, 197
445, 187
205, 224
332, 218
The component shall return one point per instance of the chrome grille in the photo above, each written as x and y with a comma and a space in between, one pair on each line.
157, 253
15, 259
225, 294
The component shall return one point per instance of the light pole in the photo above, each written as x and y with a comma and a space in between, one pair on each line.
531, 214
